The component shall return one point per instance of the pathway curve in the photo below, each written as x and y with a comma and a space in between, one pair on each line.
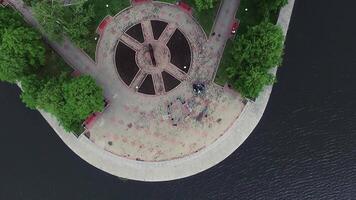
181, 167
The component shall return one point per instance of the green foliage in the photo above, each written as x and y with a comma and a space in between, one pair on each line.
31, 86
83, 96
70, 100
268, 7
51, 17
253, 55
58, 20
50, 98
251, 81
204, 4
21, 52
77, 28
24, 43
262, 46
254, 12
9, 19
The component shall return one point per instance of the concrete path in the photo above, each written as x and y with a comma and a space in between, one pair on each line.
219, 36
73, 55
169, 169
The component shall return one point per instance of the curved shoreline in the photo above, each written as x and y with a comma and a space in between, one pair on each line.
183, 167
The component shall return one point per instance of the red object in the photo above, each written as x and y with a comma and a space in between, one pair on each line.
235, 27
103, 24
92, 118
75, 73
185, 6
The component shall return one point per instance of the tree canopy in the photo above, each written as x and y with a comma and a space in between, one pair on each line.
21, 52
254, 54
71, 100
9, 19
58, 20
267, 7
83, 96
204, 4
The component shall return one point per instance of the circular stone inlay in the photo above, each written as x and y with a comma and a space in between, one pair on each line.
153, 60
162, 57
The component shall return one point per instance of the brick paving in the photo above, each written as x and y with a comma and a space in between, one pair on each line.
169, 125
171, 169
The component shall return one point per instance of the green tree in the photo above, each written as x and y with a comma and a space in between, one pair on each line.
69, 121
31, 87
50, 14
21, 52
84, 96
253, 55
58, 20
70, 100
77, 27
51, 98
25, 43
268, 7
204, 4
9, 19
261, 45
251, 81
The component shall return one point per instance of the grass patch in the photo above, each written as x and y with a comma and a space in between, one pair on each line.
222, 75
54, 65
249, 16
205, 18
101, 11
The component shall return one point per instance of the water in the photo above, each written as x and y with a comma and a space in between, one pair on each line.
304, 147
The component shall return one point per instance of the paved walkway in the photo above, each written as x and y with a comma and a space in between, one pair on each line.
170, 169
215, 46
170, 125
69, 52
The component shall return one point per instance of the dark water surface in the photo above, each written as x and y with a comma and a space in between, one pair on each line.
304, 147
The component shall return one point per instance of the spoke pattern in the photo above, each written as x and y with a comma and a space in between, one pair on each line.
137, 81
131, 42
147, 30
175, 72
158, 83
155, 79
167, 33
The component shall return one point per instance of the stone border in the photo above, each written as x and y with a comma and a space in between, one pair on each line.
180, 168
144, 94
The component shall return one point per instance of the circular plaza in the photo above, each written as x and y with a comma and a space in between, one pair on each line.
166, 117
154, 53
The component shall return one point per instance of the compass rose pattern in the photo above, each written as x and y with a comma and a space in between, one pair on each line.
159, 71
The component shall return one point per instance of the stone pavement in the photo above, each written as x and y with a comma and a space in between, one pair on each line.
162, 127
168, 168
220, 34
